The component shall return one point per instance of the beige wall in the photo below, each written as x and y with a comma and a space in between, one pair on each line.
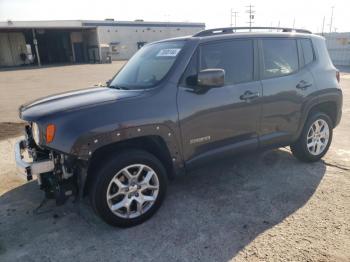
128, 36
11, 46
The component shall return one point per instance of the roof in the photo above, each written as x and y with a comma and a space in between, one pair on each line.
255, 34
143, 23
230, 30
76, 24
241, 35
235, 32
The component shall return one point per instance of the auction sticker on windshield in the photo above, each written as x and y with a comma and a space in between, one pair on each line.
169, 52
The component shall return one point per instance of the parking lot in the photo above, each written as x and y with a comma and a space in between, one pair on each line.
264, 206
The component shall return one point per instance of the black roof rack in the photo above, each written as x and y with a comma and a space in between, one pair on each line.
230, 30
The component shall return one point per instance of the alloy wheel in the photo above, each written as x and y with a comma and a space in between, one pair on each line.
317, 137
132, 191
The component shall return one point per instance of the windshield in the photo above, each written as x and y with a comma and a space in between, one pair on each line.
148, 66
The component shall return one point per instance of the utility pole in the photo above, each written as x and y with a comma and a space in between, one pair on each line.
324, 18
331, 22
233, 13
251, 13
294, 23
35, 41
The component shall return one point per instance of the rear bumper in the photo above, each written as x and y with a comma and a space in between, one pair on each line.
339, 109
30, 169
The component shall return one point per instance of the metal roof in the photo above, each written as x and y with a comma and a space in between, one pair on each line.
81, 24
142, 23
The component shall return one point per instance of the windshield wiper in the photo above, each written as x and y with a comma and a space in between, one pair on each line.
118, 87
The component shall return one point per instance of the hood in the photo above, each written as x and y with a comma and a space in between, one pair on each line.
72, 101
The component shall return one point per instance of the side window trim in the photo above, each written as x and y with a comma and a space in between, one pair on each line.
261, 57
183, 75
300, 54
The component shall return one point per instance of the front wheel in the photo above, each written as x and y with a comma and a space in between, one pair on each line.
315, 138
129, 188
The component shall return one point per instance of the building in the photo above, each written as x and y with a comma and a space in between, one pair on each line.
82, 41
338, 45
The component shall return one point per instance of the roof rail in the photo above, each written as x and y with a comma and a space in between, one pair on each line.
230, 30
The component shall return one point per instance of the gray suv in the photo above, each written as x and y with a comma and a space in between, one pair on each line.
177, 104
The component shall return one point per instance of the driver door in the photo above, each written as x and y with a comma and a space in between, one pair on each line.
217, 121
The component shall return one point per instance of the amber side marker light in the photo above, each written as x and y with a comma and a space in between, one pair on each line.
50, 133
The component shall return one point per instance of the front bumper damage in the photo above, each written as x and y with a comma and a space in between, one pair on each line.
54, 171
30, 169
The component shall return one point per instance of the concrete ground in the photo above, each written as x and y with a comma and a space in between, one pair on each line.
18, 86
258, 207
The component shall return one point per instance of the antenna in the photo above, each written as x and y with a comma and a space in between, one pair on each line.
251, 13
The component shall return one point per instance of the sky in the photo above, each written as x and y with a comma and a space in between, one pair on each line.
308, 14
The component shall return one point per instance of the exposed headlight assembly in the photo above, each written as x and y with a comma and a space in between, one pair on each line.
36, 133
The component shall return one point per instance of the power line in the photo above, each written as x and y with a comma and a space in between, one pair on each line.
251, 13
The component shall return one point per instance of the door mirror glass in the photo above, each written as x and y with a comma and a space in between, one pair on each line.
212, 77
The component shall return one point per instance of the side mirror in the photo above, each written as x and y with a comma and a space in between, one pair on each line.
213, 77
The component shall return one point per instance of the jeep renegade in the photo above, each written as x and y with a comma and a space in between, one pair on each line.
177, 104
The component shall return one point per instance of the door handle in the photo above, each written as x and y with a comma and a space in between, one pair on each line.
303, 85
248, 95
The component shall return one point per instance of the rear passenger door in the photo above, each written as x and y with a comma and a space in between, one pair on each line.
223, 119
286, 83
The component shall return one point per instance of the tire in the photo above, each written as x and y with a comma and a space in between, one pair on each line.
300, 148
136, 199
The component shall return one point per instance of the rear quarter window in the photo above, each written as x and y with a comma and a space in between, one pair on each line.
308, 51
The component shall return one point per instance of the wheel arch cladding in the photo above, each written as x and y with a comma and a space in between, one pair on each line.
330, 105
153, 144
329, 108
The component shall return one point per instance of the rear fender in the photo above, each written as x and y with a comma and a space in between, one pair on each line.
334, 96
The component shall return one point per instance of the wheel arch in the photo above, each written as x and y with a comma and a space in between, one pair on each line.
153, 144
329, 108
328, 103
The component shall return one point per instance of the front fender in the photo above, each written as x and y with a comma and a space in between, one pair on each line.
87, 144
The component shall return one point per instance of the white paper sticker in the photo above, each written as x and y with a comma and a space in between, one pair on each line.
169, 52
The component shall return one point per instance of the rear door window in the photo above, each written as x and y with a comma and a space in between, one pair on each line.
235, 57
280, 57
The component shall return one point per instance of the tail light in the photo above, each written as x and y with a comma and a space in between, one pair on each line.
337, 75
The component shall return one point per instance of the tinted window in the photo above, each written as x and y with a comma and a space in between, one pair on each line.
308, 51
280, 57
235, 57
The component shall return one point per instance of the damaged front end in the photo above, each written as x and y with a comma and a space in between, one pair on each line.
55, 172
